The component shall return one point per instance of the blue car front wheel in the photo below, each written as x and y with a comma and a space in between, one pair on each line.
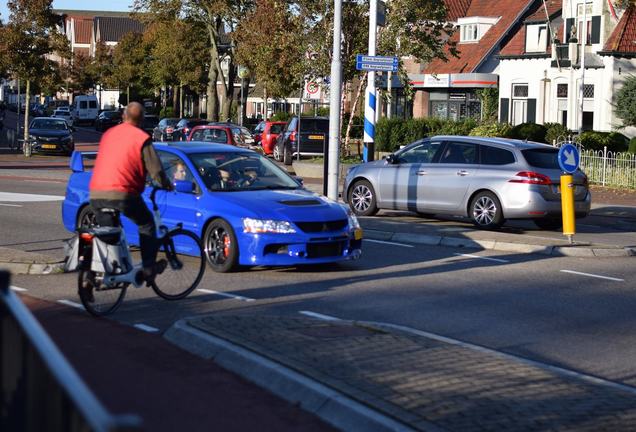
220, 246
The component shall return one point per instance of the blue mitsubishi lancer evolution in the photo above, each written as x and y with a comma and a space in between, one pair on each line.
246, 210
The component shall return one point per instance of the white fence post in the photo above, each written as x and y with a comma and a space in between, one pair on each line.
604, 164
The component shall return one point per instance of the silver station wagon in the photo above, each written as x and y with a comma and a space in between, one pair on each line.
487, 179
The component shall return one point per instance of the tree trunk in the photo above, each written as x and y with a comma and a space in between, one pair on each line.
265, 104
229, 91
127, 95
175, 100
245, 86
352, 113
27, 101
212, 100
181, 113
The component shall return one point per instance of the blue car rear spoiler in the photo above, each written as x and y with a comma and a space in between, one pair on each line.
77, 160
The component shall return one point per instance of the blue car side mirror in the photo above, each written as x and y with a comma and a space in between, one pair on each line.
77, 162
183, 186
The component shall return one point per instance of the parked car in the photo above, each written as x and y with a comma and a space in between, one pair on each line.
223, 133
486, 179
238, 130
185, 125
164, 131
63, 113
306, 136
51, 135
84, 109
150, 123
266, 133
246, 210
107, 119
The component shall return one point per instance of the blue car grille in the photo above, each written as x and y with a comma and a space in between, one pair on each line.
316, 227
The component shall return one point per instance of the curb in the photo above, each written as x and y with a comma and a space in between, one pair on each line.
333, 407
587, 250
32, 268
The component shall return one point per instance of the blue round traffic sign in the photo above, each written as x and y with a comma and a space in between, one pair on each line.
569, 158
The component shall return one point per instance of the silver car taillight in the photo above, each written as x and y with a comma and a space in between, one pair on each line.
530, 177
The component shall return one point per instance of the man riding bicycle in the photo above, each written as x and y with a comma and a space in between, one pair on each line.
126, 155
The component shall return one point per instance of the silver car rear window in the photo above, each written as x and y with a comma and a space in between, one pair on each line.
542, 158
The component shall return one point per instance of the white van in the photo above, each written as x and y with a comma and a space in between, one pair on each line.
85, 109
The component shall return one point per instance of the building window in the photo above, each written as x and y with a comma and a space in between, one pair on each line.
536, 38
562, 90
469, 32
588, 23
455, 106
588, 91
520, 90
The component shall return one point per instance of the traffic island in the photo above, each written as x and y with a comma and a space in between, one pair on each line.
361, 376
22, 262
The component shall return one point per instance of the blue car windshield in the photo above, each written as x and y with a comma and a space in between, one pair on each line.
240, 171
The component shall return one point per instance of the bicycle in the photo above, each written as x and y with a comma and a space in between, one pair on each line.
106, 267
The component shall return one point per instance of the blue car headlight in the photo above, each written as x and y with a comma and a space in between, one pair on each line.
257, 226
353, 220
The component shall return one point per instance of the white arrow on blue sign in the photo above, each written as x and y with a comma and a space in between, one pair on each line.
569, 158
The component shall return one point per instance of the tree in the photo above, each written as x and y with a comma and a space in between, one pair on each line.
130, 60
29, 39
625, 105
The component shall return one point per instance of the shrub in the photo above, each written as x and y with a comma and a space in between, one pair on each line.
528, 131
166, 112
632, 146
385, 134
614, 141
491, 129
281, 116
462, 127
556, 132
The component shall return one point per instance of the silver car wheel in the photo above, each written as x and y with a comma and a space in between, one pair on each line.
361, 198
484, 211
276, 153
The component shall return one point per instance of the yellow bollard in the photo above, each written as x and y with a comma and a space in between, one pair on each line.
567, 206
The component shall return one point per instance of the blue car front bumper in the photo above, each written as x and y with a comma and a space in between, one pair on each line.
295, 249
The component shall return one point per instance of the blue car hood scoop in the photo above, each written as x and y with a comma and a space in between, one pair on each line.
301, 202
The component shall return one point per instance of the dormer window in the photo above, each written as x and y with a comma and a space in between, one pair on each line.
473, 28
536, 38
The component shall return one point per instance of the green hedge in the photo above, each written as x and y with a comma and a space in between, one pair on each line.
528, 131
614, 141
500, 130
556, 132
632, 146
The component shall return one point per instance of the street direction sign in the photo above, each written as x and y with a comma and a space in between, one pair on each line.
569, 158
376, 63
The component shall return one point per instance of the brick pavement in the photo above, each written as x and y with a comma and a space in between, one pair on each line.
427, 383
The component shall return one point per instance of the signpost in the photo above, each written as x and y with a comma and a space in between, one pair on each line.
569, 160
376, 63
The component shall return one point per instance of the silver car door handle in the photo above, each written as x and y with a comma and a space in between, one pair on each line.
421, 173
462, 173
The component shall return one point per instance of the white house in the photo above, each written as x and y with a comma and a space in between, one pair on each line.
540, 73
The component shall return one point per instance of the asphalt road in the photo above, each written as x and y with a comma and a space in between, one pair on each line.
534, 306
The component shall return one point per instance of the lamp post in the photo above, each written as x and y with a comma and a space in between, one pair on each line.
334, 105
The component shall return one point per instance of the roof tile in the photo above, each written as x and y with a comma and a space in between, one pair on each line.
623, 38
471, 55
456, 9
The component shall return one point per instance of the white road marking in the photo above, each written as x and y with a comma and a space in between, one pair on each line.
21, 197
15, 288
593, 275
71, 303
10, 205
319, 316
387, 242
222, 294
146, 328
484, 258
507, 356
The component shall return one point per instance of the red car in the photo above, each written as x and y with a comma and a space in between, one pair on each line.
266, 133
222, 134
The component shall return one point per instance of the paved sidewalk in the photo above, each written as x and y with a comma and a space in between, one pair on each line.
409, 379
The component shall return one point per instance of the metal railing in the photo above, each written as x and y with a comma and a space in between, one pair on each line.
609, 169
40, 390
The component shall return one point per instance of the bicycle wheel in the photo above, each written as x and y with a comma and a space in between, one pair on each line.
98, 299
183, 251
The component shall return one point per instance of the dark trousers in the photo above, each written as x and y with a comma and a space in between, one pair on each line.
135, 209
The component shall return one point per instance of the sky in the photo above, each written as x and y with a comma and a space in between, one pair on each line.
105, 5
